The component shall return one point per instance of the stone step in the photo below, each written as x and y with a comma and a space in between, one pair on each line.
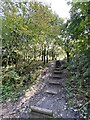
61, 68
57, 69
56, 76
41, 110
51, 92
58, 72
55, 82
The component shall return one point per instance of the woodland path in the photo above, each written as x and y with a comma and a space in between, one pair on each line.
48, 95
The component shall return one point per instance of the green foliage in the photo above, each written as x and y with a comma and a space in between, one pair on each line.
14, 84
24, 29
77, 43
33, 35
10, 77
78, 79
25, 35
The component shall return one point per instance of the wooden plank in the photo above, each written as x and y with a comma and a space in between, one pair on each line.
41, 110
51, 92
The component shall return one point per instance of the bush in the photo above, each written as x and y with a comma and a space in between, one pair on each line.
78, 78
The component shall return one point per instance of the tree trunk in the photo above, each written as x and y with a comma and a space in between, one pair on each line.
55, 57
68, 56
52, 55
34, 54
44, 55
47, 55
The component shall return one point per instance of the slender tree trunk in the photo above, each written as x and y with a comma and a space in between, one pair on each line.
68, 56
44, 54
55, 57
52, 55
67, 50
47, 55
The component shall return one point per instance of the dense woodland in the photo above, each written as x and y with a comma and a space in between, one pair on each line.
32, 36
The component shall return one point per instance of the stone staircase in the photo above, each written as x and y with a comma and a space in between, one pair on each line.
40, 111
53, 102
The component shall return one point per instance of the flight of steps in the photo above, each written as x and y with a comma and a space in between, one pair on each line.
54, 80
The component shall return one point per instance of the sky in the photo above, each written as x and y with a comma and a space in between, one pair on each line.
58, 6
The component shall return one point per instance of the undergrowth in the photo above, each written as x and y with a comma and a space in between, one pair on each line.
16, 81
78, 84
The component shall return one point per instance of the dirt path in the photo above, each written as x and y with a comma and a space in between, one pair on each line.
49, 93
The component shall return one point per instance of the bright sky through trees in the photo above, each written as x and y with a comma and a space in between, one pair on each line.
58, 6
